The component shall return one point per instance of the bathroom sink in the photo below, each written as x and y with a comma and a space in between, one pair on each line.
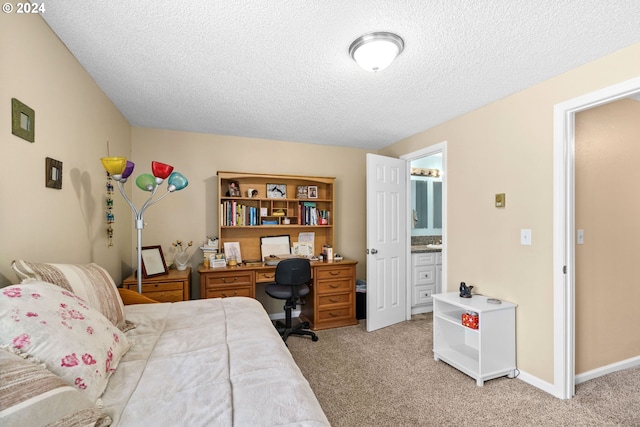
434, 246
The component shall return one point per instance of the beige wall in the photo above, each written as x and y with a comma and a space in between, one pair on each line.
73, 122
507, 147
607, 209
192, 214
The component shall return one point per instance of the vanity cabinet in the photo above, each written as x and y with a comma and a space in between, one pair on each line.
484, 353
426, 280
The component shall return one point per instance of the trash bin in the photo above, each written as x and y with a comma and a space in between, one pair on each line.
361, 299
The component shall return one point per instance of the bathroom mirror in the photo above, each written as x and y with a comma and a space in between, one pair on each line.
426, 196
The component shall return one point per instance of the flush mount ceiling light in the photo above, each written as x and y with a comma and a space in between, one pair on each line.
376, 51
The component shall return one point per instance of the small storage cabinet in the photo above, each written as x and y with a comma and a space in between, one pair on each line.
171, 287
484, 353
426, 268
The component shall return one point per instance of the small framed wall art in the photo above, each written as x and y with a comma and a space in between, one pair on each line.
277, 191
23, 120
53, 173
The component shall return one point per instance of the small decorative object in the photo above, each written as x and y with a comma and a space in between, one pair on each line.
277, 191
465, 291
110, 217
53, 173
470, 319
302, 192
23, 120
217, 261
252, 192
234, 189
232, 250
312, 191
153, 261
182, 255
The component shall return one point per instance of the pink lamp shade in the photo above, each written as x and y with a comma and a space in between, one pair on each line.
146, 182
114, 165
161, 170
177, 181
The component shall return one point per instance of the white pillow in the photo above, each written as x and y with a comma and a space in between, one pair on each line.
56, 327
90, 282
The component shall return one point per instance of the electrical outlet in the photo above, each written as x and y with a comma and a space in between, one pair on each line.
501, 200
525, 236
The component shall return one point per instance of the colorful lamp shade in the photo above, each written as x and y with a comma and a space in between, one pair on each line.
161, 170
128, 170
114, 165
177, 181
146, 182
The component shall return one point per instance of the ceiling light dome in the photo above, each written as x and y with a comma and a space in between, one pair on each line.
376, 51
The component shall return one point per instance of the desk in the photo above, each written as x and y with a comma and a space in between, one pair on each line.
331, 302
170, 287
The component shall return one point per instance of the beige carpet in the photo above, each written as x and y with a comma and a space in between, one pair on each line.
389, 378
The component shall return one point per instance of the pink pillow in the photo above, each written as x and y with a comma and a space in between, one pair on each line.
56, 327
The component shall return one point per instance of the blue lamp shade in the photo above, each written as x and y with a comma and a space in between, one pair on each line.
177, 181
146, 182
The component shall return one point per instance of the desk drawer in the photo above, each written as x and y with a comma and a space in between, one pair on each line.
158, 287
335, 286
229, 278
326, 301
333, 314
266, 276
334, 272
230, 291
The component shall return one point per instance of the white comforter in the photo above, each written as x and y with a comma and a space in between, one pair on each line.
213, 362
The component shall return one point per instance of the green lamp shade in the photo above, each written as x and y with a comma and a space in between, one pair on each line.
114, 165
146, 182
177, 181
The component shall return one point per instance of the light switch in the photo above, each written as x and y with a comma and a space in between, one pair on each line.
525, 236
501, 200
580, 237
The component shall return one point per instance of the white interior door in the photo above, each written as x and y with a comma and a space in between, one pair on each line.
386, 241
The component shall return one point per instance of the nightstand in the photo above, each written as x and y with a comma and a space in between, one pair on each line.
170, 287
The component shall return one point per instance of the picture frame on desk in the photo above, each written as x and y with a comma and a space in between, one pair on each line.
312, 191
217, 261
153, 261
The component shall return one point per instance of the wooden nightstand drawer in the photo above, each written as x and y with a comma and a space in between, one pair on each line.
170, 287
165, 296
334, 286
159, 287
334, 272
335, 299
229, 278
231, 291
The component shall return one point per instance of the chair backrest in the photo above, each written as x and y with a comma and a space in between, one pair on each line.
293, 271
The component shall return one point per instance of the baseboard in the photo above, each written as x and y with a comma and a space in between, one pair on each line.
537, 383
280, 316
608, 369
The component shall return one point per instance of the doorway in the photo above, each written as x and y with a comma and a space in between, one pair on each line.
439, 150
564, 238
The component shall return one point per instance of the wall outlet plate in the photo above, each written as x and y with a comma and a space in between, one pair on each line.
501, 200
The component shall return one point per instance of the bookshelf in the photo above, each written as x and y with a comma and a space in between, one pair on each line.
252, 206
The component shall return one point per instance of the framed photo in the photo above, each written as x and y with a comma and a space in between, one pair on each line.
302, 192
312, 191
232, 250
53, 173
23, 120
234, 189
153, 261
277, 191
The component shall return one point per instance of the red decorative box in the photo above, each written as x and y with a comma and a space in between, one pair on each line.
470, 320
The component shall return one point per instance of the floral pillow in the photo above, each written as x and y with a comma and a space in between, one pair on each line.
32, 396
56, 327
90, 282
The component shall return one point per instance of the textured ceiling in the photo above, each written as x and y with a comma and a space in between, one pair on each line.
281, 69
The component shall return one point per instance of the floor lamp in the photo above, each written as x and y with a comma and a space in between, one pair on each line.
120, 169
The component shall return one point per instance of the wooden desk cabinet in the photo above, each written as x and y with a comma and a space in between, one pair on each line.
170, 287
330, 303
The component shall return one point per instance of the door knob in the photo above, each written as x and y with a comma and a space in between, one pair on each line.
374, 251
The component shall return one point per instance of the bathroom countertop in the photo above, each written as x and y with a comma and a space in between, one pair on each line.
418, 249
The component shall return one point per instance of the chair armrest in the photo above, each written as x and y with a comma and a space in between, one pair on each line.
131, 297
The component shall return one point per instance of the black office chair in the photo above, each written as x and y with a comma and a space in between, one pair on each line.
292, 276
